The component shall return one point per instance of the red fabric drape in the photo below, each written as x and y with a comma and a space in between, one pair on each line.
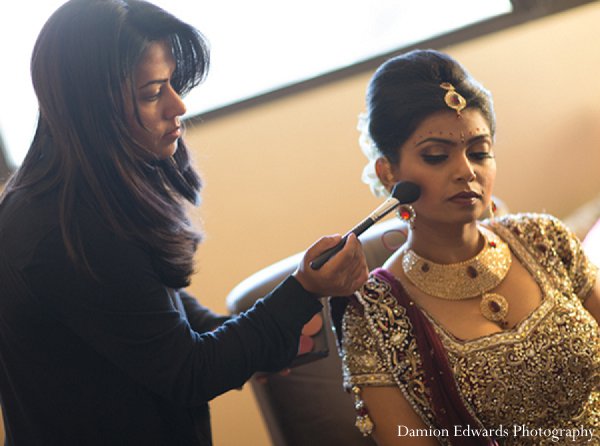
447, 404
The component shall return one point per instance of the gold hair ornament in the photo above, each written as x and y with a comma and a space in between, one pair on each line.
452, 98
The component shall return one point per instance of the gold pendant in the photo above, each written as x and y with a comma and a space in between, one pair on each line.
494, 307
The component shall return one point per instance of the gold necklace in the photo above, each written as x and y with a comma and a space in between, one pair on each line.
468, 279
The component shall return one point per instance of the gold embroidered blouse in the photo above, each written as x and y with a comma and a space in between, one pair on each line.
539, 381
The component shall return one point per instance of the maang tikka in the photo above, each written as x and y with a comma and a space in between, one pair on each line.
452, 98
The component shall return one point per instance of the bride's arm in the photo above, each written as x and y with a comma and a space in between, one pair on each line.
395, 421
592, 301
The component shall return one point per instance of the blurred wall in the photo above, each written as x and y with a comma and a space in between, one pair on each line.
279, 175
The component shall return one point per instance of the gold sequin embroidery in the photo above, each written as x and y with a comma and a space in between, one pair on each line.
544, 373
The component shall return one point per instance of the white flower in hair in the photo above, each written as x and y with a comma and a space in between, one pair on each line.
370, 150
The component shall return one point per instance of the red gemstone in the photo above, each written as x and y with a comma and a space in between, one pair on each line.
472, 272
494, 306
493, 244
404, 215
362, 412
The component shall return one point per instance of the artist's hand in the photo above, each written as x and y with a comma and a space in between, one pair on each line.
341, 275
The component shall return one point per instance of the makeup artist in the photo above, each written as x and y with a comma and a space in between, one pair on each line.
99, 342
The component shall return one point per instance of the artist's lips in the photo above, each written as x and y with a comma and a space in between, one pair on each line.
174, 133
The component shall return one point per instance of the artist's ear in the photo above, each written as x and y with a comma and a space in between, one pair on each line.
383, 169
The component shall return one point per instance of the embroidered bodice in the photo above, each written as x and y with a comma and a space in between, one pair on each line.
542, 374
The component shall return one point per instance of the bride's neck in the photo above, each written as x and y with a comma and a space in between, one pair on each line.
445, 243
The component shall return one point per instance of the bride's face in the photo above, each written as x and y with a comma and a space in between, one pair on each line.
452, 159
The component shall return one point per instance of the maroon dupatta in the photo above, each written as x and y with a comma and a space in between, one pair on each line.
447, 403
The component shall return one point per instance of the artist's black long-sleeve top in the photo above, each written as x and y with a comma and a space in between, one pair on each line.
122, 360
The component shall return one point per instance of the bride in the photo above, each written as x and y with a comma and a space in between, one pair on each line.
473, 332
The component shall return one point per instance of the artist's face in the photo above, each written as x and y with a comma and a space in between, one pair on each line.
451, 158
160, 106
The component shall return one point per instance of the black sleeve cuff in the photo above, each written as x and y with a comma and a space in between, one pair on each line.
293, 305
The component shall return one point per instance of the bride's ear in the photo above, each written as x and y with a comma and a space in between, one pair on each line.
383, 169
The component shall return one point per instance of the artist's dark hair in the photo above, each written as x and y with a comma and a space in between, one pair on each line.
406, 89
82, 69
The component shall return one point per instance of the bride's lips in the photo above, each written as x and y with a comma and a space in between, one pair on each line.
465, 197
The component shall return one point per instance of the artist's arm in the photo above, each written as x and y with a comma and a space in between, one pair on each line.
392, 415
200, 318
130, 319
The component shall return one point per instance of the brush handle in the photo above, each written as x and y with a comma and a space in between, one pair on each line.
319, 261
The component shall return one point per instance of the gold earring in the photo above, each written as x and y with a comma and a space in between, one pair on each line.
407, 214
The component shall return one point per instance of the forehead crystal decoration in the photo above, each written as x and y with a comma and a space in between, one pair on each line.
452, 98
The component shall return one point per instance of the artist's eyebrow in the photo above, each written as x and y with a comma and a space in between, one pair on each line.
451, 142
152, 82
